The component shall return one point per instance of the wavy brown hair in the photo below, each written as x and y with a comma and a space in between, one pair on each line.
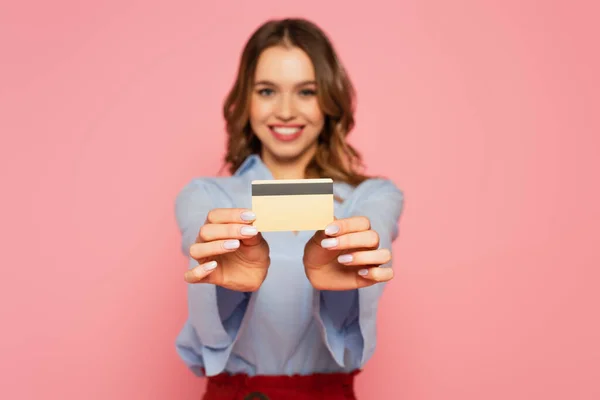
334, 158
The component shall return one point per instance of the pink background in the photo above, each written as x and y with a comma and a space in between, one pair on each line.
484, 113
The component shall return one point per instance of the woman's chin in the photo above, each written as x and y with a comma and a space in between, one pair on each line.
286, 155
288, 152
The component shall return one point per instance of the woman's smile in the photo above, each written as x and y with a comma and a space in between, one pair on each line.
286, 132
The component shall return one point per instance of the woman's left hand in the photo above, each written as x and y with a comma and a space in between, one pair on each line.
345, 256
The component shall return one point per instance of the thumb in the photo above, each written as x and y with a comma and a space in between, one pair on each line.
253, 240
315, 255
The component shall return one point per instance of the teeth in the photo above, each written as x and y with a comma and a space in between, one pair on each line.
286, 130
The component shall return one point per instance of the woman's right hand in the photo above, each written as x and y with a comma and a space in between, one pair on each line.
230, 251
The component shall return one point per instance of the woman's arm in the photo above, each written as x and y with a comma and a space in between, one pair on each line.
348, 318
215, 313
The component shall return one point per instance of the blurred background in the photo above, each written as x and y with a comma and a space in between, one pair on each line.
485, 113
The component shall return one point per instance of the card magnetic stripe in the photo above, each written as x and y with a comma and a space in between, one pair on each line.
290, 189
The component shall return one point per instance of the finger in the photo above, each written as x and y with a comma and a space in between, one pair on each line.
348, 225
365, 239
210, 232
199, 251
253, 240
197, 274
369, 257
230, 216
367, 276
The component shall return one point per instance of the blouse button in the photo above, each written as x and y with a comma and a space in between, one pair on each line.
256, 396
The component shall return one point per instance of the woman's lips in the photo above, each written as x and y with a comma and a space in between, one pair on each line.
286, 133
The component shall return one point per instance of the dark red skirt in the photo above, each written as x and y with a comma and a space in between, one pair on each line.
338, 386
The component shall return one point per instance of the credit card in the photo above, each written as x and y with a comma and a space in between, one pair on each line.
292, 204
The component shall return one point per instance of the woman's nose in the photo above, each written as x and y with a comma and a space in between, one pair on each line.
286, 109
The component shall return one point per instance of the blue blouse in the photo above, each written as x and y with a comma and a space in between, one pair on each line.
286, 327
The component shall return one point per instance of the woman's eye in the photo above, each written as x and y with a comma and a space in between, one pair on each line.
308, 92
265, 92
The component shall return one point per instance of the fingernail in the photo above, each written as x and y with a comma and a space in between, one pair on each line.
248, 230
345, 258
248, 216
332, 229
209, 266
363, 272
327, 243
231, 244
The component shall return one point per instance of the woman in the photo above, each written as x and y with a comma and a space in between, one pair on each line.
285, 315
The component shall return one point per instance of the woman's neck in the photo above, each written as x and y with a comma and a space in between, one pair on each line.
287, 169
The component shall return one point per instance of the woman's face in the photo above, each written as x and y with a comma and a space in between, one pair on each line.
284, 111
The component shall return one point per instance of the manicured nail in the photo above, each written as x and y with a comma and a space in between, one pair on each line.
209, 266
327, 243
363, 272
231, 244
248, 230
248, 216
345, 258
332, 230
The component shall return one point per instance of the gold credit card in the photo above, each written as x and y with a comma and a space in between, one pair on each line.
292, 204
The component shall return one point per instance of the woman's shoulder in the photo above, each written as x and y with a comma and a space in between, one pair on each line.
376, 198
370, 188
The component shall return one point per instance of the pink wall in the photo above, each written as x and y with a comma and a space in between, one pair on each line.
488, 119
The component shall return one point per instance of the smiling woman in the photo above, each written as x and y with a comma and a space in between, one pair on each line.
291, 88
285, 113
285, 315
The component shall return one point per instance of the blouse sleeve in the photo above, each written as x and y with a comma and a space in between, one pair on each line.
215, 313
348, 318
